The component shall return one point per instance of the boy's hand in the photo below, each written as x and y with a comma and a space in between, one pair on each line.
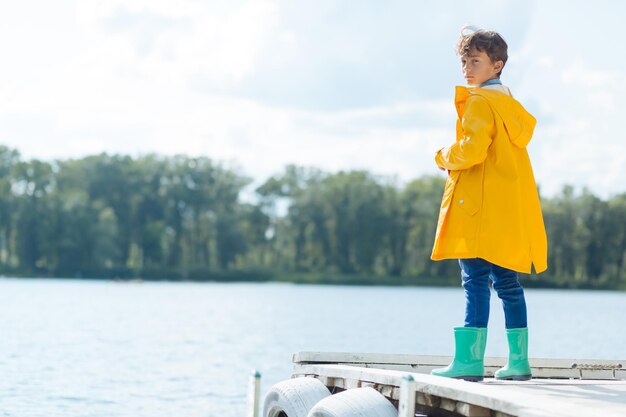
443, 169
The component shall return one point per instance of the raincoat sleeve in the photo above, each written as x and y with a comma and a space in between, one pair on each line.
478, 125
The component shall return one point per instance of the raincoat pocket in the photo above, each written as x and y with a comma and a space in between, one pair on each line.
464, 200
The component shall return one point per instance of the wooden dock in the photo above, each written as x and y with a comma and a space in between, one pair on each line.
559, 387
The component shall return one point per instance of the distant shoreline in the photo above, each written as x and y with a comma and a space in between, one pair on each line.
309, 278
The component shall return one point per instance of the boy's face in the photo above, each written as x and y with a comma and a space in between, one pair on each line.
478, 67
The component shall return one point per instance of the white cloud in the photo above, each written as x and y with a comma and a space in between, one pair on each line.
592, 123
575, 91
124, 101
266, 83
174, 40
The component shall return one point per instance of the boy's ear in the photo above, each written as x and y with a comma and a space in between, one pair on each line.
499, 65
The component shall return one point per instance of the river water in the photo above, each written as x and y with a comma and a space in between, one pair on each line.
100, 348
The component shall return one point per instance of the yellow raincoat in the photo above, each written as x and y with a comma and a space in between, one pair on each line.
490, 207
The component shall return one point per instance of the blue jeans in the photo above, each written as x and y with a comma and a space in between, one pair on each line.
475, 274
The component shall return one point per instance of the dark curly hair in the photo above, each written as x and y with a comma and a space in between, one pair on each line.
488, 41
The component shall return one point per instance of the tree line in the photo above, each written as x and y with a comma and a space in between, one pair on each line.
155, 217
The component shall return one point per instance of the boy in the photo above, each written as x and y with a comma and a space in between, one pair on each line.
490, 217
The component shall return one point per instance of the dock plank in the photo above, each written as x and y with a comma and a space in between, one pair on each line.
541, 367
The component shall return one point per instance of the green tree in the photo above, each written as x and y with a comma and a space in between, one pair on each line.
422, 199
613, 236
8, 159
34, 180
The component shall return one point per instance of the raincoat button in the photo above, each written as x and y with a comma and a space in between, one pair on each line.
461, 201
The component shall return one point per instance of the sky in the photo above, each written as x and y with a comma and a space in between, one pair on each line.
259, 84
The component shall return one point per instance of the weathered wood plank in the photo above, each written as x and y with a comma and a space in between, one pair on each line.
490, 370
470, 410
408, 359
541, 367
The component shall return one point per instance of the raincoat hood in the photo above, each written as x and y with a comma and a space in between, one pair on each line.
518, 122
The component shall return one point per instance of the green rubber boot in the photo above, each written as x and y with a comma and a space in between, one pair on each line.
517, 368
469, 355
